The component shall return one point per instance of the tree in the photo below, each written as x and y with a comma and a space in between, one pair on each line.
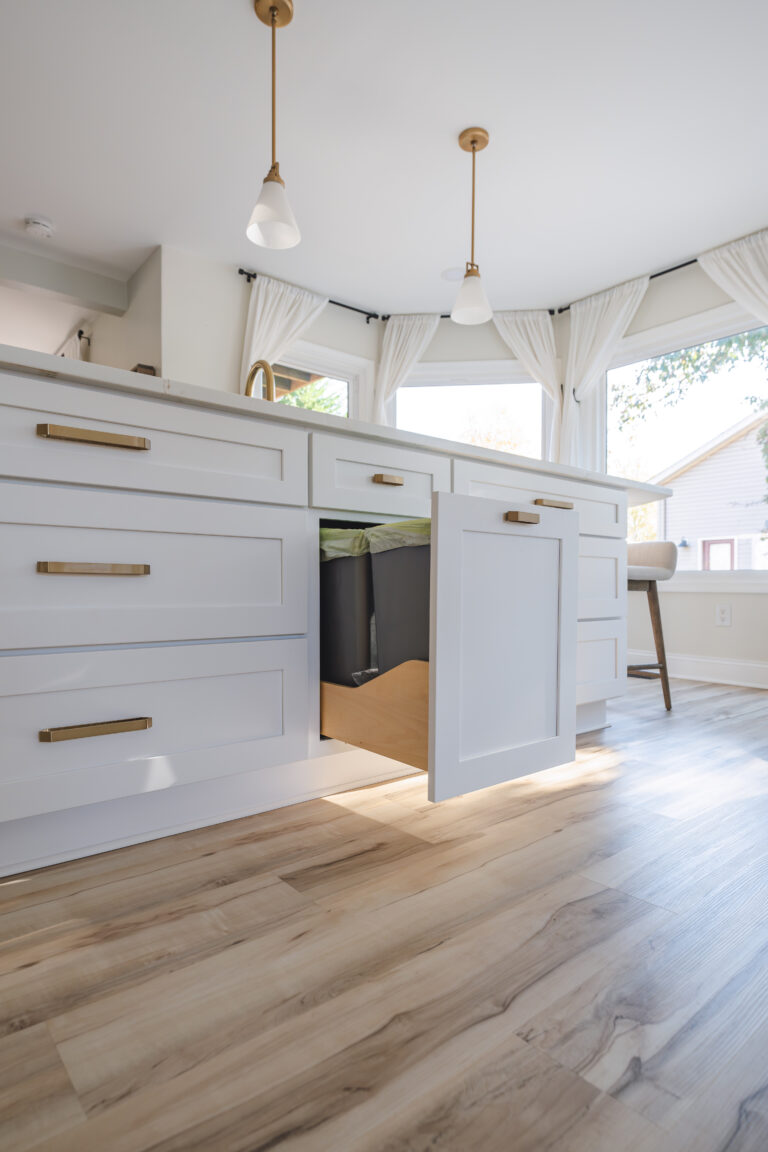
320, 395
666, 379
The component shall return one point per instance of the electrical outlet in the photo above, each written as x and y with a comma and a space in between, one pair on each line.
722, 615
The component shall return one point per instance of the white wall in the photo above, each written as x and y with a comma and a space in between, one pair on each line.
698, 648
462, 342
135, 337
204, 305
686, 292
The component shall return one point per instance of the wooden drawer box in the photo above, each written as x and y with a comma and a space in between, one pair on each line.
602, 578
183, 569
602, 511
215, 709
601, 660
367, 476
148, 445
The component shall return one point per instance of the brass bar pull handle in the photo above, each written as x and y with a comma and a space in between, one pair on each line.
385, 478
522, 517
93, 436
72, 568
544, 503
80, 731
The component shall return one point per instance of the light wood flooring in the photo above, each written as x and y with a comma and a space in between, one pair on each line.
574, 962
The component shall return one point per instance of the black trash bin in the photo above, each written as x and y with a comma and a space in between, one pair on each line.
400, 568
346, 605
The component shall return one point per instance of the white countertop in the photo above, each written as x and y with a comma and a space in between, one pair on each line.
158, 388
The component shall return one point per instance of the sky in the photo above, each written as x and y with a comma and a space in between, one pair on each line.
667, 434
503, 416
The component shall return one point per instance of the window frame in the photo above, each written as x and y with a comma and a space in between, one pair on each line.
358, 371
700, 328
458, 373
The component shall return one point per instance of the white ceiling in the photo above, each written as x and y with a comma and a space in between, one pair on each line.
624, 137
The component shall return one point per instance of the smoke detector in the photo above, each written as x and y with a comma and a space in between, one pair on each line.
39, 226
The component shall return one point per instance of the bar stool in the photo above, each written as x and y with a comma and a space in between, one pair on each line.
647, 563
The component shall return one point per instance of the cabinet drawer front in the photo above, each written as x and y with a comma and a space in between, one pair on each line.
365, 476
214, 709
602, 511
147, 445
602, 578
178, 570
601, 660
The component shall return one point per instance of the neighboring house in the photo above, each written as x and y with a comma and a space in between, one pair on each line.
718, 511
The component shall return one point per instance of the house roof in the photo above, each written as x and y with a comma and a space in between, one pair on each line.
735, 432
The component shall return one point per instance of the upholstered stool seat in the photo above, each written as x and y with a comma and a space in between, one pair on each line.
640, 572
647, 564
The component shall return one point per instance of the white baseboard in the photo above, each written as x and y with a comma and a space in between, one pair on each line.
710, 669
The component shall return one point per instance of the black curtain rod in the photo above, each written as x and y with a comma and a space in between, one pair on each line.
653, 276
446, 315
350, 307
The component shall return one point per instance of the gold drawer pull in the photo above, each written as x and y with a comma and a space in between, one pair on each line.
71, 568
567, 504
93, 436
522, 517
385, 478
80, 731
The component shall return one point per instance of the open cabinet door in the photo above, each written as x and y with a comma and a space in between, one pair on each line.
502, 642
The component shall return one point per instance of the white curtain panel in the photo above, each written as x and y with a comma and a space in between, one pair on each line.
741, 270
531, 337
405, 341
278, 314
597, 325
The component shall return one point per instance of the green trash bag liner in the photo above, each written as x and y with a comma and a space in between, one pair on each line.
337, 542
404, 534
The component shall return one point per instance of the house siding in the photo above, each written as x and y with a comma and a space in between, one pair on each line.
721, 497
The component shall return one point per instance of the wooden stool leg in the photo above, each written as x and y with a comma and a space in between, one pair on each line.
658, 638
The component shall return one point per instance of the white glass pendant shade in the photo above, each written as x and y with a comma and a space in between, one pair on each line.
272, 223
471, 305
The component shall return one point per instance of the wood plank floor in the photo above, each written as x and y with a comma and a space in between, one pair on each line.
573, 962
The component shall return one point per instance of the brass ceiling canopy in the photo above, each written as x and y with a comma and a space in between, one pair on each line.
283, 12
473, 139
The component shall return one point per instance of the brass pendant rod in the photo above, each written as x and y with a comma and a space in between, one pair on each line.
273, 14
474, 154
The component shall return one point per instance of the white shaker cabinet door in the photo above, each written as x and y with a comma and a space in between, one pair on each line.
503, 642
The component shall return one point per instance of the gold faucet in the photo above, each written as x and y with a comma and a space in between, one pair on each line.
269, 377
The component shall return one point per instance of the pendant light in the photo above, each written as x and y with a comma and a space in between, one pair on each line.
472, 305
272, 223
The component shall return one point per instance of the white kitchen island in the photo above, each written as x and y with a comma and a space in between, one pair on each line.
159, 617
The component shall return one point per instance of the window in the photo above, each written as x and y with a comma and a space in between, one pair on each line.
717, 555
696, 420
505, 416
303, 389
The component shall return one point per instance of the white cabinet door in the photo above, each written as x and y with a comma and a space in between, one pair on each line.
503, 643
